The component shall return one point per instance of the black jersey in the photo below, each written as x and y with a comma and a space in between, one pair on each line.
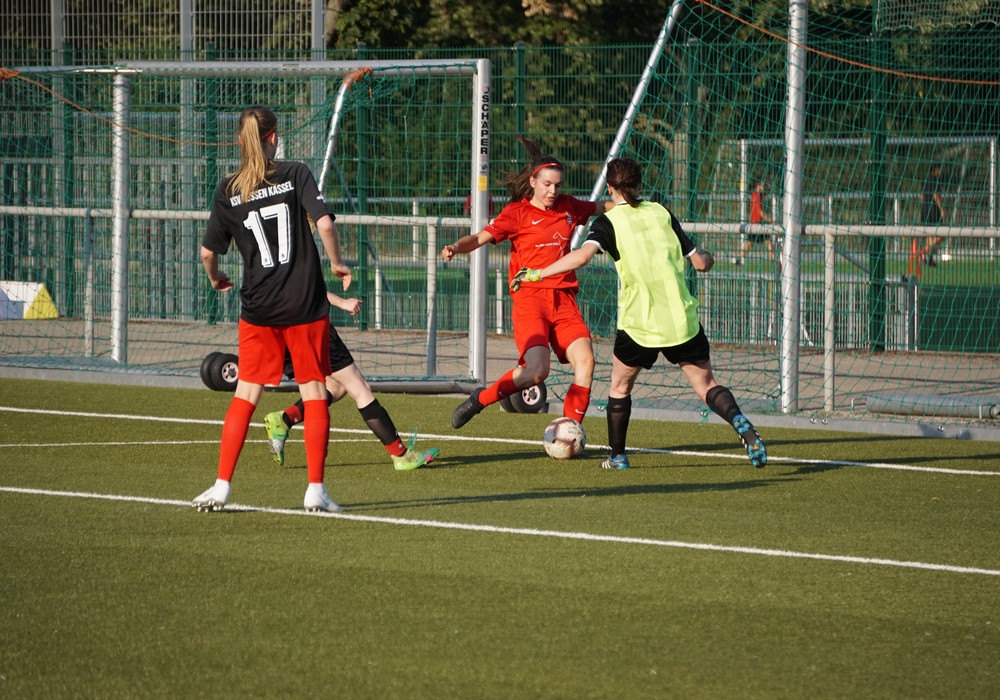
283, 281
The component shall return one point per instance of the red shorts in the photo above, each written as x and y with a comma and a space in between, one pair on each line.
262, 351
548, 317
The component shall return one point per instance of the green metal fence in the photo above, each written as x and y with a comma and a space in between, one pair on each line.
881, 111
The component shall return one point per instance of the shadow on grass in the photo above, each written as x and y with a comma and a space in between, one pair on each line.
918, 452
588, 492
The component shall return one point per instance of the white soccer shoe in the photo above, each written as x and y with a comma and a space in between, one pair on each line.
317, 499
213, 499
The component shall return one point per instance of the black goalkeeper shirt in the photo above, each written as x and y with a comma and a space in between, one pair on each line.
283, 281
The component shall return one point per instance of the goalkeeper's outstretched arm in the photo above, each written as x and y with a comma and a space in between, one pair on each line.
466, 244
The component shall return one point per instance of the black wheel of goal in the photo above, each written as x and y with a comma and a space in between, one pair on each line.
225, 371
531, 400
206, 371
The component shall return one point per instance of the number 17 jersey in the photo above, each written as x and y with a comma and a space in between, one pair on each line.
283, 281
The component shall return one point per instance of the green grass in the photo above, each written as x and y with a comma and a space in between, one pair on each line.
148, 598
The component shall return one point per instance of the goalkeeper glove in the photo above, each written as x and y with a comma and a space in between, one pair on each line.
525, 274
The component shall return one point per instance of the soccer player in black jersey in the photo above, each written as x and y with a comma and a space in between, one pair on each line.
656, 312
263, 208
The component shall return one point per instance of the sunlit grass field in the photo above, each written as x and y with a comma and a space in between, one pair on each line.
853, 565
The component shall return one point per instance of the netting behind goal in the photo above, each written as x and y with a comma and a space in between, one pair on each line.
136, 297
900, 314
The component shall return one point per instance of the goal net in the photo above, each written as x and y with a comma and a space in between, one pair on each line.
108, 175
898, 307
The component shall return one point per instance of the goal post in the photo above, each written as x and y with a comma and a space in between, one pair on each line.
111, 221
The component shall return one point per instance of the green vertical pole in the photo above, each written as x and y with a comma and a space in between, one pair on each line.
362, 192
520, 77
694, 144
211, 165
69, 194
876, 201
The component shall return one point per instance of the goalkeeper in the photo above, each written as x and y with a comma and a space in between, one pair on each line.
539, 223
656, 312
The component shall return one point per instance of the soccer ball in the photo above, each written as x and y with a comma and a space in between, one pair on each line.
564, 438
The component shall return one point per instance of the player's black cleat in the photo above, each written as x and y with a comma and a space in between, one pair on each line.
467, 409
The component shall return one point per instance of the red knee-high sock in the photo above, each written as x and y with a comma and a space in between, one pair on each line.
234, 434
576, 402
316, 427
504, 386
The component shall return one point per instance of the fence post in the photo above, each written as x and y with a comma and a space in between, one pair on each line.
432, 262
876, 202
829, 319
88, 286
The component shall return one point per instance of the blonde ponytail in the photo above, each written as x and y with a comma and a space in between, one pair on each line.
256, 124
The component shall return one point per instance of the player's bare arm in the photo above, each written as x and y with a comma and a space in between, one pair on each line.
465, 244
351, 306
220, 280
331, 244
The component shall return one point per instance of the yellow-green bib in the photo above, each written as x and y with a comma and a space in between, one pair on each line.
655, 307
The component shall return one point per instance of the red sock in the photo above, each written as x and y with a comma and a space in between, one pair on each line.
504, 386
576, 402
234, 434
316, 427
293, 414
397, 448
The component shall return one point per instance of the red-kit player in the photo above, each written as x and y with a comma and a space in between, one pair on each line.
539, 223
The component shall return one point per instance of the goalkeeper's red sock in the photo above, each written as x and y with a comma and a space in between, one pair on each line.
504, 386
234, 434
316, 427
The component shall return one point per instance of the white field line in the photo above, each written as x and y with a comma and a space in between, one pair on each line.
145, 443
586, 536
771, 459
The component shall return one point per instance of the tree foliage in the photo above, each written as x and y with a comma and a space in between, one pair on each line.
487, 23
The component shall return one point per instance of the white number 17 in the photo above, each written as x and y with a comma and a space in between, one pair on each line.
255, 223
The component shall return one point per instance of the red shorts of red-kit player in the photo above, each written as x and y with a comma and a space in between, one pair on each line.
262, 351
548, 317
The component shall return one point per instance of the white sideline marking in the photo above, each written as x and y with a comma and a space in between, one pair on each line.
528, 532
145, 442
771, 459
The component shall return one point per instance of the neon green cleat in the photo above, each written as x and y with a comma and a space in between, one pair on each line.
412, 459
277, 433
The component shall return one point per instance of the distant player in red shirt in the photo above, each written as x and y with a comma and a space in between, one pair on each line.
264, 208
539, 223
757, 216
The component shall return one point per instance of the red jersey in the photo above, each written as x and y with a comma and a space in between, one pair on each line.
756, 208
539, 237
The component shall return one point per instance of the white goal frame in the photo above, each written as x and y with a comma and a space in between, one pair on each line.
121, 212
